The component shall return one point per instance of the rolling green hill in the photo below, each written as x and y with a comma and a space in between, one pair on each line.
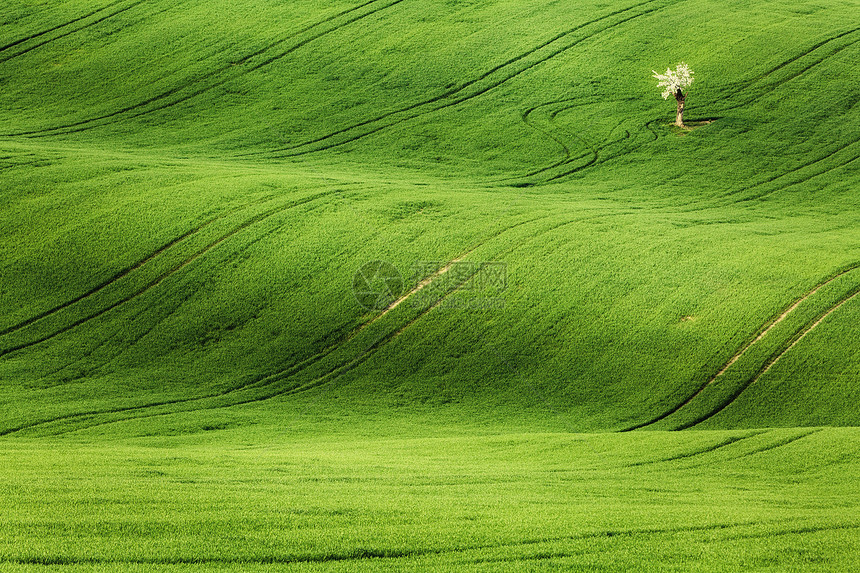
189, 189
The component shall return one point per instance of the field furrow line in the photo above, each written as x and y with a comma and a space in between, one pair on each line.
59, 26
569, 158
769, 88
128, 270
750, 85
456, 96
167, 274
260, 383
796, 531
775, 358
391, 555
712, 448
763, 449
595, 159
234, 70
148, 406
802, 179
70, 32
110, 281
778, 444
565, 149
445, 100
263, 384
763, 331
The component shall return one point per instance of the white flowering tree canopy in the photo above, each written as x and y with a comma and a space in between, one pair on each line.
674, 80
673, 83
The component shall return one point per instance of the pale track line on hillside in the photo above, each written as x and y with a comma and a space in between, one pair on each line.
386, 338
325, 352
167, 274
269, 380
762, 333
418, 287
424, 283
368, 352
454, 96
263, 383
439, 301
274, 378
774, 359
90, 123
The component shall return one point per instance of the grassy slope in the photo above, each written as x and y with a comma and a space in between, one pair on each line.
639, 264
217, 187
189, 187
738, 500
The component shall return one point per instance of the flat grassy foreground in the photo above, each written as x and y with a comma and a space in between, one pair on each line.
264, 500
188, 381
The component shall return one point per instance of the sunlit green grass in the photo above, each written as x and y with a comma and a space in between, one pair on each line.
258, 498
187, 380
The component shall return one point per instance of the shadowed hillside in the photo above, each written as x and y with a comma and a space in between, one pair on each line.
189, 189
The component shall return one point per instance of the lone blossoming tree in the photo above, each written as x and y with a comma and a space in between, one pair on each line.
675, 83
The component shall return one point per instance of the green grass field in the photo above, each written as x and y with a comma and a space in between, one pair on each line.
615, 345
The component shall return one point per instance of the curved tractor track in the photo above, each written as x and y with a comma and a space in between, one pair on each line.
152, 284
842, 156
751, 91
87, 20
205, 83
271, 386
471, 89
774, 357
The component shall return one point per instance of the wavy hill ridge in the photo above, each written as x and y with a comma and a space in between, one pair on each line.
189, 189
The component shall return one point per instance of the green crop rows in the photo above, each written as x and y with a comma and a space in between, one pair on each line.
614, 344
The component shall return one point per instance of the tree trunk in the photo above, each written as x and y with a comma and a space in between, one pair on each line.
679, 116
